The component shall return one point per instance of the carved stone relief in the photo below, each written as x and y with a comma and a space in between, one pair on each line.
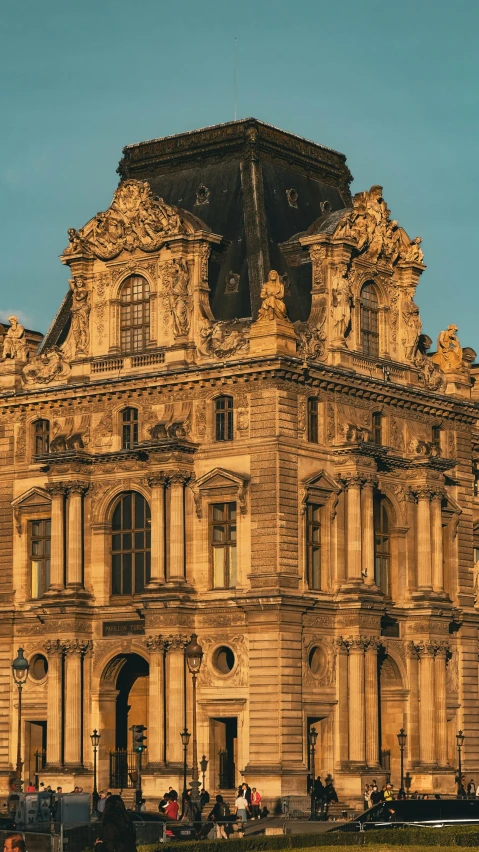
135, 219
225, 338
209, 676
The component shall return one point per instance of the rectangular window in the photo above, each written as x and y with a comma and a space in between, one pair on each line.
129, 436
436, 437
313, 420
224, 418
40, 549
223, 544
377, 429
313, 546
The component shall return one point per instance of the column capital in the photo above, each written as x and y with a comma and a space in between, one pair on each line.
155, 479
351, 480
359, 643
175, 642
177, 477
78, 487
156, 643
54, 647
77, 646
438, 493
56, 489
428, 648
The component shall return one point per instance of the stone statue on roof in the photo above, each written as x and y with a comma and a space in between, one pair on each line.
272, 295
14, 342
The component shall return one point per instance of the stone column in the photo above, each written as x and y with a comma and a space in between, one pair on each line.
175, 698
356, 704
74, 651
156, 703
412, 743
353, 543
424, 573
372, 702
157, 485
440, 703
57, 492
76, 490
436, 543
176, 572
54, 649
367, 523
427, 709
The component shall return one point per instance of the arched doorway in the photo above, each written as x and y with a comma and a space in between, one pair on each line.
392, 698
123, 703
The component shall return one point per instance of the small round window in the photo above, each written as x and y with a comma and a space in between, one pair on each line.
316, 660
223, 660
38, 667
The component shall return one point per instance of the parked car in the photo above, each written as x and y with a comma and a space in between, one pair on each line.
151, 827
434, 813
7, 824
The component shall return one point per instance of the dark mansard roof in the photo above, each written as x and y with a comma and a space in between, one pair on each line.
255, 185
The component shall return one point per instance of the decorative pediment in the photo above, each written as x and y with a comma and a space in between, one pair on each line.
318, 489
34, 500
220, 484
136, 219
376, 237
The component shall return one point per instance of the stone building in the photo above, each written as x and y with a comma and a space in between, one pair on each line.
234, 427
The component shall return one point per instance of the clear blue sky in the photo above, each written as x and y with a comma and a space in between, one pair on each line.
392, 85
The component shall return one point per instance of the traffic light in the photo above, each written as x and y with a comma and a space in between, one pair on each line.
138, 738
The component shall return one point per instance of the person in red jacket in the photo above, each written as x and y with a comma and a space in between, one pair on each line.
255, 804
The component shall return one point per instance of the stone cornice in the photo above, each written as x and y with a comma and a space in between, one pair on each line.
326, 378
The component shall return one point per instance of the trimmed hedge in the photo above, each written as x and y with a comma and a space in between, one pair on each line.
466, 836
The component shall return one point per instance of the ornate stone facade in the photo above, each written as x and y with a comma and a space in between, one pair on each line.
302, 488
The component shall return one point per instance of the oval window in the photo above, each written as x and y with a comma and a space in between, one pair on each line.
223, 660
38, 667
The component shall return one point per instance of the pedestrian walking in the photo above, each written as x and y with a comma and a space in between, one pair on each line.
241, 806
471, 789
219, 816
367, 792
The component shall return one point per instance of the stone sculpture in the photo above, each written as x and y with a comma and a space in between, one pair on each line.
369, 225
44, 368
135, 219
272, 295
342, 299
449, 351
14, 342
80, 313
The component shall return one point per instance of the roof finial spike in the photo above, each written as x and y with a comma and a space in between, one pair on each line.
234, 79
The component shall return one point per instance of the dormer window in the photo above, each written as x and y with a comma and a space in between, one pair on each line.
129, 431
369, 319
134, 314
41, 436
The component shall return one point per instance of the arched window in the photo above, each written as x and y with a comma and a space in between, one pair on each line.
382, 545
130, 545
224, 418
41, 434
313, 419
134, 314
129, 428
377, 435
369, 320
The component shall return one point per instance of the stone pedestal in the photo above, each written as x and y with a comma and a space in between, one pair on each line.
272, 337
11, 374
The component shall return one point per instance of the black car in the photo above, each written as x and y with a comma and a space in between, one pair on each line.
7, 824
434, 813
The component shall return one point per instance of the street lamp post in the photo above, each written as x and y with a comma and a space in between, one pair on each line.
185, 738
460, 742
402, 736
20, 668
95, 741
194, 656
203, 767
312, 737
